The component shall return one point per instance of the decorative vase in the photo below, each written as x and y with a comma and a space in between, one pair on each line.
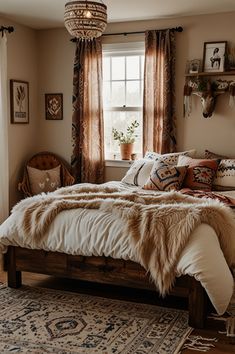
126, 150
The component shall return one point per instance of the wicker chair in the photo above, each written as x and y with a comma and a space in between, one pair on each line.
45, 161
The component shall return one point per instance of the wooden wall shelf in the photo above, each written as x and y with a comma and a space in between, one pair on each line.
224, 73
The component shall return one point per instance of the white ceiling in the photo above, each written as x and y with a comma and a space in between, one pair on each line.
42, 14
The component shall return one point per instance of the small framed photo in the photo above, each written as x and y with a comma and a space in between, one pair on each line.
214, 56
19, 101
194, 66
54, 106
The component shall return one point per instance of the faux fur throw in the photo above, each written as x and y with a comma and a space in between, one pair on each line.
159, 226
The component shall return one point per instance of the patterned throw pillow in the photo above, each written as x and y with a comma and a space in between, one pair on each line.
44, 180
211, 155
225, 175
200, 172
171, 158
164, 177
138, 173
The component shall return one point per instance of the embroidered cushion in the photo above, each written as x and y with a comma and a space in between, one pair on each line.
200, 173
225, 175
171, 158
164, 177
211, 155
138, 173
44, 180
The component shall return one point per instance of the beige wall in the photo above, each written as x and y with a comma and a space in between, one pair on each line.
22, 65
55, 75
55, 55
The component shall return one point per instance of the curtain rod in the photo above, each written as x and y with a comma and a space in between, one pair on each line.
174, 29
8, 29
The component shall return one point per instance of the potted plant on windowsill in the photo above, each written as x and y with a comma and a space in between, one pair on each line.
126, 141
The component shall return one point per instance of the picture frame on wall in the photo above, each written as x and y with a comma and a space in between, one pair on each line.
19, 101
214, 56
54, 106
194, 66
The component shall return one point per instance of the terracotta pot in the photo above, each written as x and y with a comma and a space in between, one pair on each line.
126, 151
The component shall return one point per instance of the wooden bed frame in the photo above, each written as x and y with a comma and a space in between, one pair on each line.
102, 270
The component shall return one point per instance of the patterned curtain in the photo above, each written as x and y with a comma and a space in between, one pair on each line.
159, 92
87, 127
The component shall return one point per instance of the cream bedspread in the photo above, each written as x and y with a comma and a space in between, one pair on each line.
93, 232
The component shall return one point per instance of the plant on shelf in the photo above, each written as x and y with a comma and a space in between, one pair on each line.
126, 140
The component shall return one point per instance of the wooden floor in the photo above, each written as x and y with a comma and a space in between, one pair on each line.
223, 345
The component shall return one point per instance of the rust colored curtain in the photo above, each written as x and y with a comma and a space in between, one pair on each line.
87, 120
159, 92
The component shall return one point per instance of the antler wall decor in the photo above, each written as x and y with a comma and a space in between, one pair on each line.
208, 91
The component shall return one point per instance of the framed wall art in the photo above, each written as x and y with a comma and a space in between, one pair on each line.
214, 56
193, 66
54, 106
19, 101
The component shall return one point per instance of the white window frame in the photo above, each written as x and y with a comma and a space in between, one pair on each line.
123, 49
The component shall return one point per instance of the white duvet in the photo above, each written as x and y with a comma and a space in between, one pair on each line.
93, 232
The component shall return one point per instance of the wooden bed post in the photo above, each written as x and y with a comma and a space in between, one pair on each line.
197, 304
13, 275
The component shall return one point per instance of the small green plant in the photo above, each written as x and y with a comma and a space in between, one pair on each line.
127, 138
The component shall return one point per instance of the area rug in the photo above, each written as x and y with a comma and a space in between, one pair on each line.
228, 318
38, 320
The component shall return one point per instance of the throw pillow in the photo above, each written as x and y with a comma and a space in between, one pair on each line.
211, 155
138, 173
44, 180
165, 177
225, 175
171, 158
200, 172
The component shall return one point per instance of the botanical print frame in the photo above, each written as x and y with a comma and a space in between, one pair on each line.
19, 100
214, 56
54, 106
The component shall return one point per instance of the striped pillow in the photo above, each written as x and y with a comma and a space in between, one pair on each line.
138, 173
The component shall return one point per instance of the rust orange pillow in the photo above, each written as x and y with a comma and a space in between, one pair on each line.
200, 172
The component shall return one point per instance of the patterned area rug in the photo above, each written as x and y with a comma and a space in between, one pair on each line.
228, 318
37, 320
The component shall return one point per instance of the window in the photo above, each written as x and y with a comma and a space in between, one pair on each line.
123, 71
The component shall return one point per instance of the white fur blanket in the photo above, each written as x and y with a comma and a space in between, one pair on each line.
158, 226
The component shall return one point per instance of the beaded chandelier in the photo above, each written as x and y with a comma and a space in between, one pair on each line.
85, 19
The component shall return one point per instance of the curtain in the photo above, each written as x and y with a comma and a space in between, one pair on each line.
4, 168
159, 92
87, 121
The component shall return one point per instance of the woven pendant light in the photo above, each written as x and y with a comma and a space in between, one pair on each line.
85, 19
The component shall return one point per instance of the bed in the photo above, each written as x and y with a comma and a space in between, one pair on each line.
92, 244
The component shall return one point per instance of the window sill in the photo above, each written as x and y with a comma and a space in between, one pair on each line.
118, 163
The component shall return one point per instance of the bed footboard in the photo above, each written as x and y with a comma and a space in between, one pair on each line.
102, 270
